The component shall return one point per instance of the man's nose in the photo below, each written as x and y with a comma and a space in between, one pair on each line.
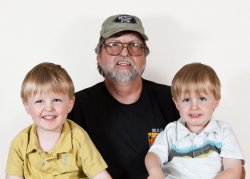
125, 51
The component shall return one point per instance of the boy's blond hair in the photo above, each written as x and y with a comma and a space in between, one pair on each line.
196, 77
46, 78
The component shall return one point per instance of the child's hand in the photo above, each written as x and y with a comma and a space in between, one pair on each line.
156, 177
156, 174
153, 165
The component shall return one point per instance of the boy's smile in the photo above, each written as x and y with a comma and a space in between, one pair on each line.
196, 109
49, 111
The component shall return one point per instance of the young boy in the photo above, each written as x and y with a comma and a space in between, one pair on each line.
52, 147
195, 146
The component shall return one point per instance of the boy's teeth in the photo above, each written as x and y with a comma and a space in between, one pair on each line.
49, 117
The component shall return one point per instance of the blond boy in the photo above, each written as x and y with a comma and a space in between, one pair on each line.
53, 146
196, 146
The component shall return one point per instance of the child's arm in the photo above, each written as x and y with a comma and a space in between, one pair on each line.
13, 177
232, 169
102, 175
153, 165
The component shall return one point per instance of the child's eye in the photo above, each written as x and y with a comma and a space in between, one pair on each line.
57, 100
186, 100
203, 98
39, 101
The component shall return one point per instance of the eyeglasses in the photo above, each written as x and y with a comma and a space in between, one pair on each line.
115, 48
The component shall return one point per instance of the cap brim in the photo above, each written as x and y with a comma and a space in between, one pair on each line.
110, 33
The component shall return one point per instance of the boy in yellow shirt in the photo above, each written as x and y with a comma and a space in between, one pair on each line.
52, 147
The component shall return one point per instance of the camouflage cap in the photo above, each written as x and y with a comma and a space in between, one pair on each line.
122, 22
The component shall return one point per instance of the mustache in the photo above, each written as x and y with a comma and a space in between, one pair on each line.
127, 60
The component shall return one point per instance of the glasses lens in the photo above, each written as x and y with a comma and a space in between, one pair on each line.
135, 49
115, 48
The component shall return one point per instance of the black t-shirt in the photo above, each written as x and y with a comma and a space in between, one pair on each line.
120, 131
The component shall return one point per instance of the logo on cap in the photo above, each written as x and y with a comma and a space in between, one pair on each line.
125, 19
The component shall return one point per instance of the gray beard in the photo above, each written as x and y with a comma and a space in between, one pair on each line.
121, 75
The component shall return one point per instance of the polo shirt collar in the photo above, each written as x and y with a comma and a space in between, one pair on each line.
33, 140
64, 144
182, 131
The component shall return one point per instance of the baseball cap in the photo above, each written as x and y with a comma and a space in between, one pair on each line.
122, 22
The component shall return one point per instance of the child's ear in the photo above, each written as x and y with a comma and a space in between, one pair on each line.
175, 102
216, 103
71, 104
26, 106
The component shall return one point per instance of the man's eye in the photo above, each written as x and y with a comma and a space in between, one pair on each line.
114, 44
134, 45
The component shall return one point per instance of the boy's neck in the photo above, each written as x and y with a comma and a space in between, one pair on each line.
197, 130
48, 139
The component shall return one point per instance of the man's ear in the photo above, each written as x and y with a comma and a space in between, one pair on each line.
98, 56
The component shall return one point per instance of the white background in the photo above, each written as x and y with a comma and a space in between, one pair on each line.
215, 32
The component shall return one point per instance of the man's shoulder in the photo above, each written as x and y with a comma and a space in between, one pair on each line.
155, 85
90, 90
157, 89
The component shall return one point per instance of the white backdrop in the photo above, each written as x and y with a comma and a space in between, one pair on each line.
215, 32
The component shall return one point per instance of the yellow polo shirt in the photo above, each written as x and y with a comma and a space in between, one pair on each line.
73, 156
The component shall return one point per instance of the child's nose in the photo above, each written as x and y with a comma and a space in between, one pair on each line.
195, 106
49, 107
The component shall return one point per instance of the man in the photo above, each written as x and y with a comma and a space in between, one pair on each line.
123, 113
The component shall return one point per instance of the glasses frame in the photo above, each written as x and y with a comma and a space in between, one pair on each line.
140, 47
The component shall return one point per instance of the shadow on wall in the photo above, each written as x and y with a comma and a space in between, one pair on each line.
171, 45
235, 106
80, 40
